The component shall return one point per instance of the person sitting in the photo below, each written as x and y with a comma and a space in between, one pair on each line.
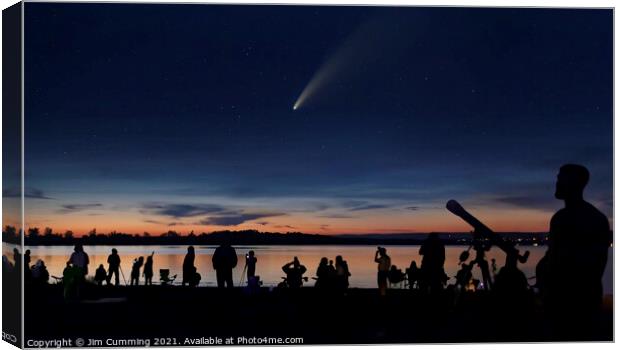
396, 275
294, 273
412, 274
71, 279
40, 275
464, 276
100, 275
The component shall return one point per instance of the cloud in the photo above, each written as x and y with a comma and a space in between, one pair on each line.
181, 210
174, 223
531, 201
154, 222
369, 207
358, 205
353, 203
29, 192
336, 216
286, 226
414, 208
235, 219
73, 208
324, 227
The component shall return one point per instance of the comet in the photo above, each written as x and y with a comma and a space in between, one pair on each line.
365, 46
321, 78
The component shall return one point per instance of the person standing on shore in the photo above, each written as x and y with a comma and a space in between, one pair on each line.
384, 262
433, 276
79, 259
189, 270
579, 239
224, 261
148, 270
114, 264
135, 271
250, 262
342, 274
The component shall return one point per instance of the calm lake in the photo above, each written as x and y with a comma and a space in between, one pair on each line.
271, 258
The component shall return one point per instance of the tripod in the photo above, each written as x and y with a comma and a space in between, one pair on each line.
122, 274
243, 275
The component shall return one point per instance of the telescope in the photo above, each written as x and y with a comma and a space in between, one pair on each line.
482, 232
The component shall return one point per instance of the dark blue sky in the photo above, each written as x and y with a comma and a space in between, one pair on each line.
150, 116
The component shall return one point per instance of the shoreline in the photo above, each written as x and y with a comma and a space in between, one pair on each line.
319, 317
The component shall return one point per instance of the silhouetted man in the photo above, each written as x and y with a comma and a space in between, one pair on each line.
250, 262
294, 273
80, 260
224, 260
114, 263
432, 274
189, 270
17, 258
135, 271
579, 238
384, 262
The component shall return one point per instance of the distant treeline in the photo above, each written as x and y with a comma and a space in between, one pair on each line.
34, 237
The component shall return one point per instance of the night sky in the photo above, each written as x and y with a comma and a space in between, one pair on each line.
159, 117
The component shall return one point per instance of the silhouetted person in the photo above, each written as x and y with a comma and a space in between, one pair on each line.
342, 273
579, 238
322, 274
100, 275
27, 271
189, 270
250, 262
7, 267
464, 275
71, 277
17, 261
432, 274
384, 263
224, 261
40, 275
510, 282
79, 260
135, 271
396, 275
413, 274
148, 270
294, 273
27, 258
114, 264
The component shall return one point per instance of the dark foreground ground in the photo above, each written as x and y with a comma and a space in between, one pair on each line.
359, 317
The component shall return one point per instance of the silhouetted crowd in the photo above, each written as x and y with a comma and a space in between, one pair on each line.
579, 238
